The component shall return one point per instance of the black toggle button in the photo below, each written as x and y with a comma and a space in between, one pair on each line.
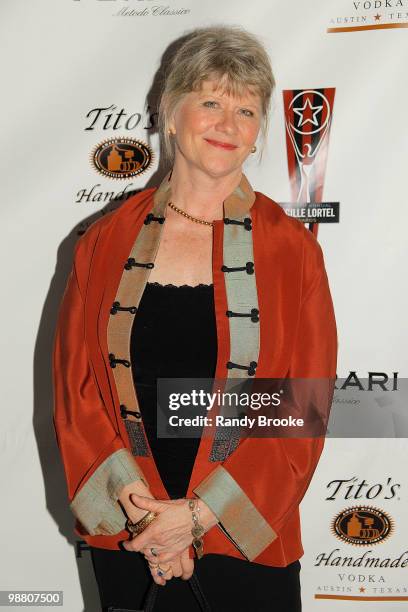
248, 268
251, 368
116, 307
113, 361
150, 217
247, 222
132, 263
254, 314
124, 412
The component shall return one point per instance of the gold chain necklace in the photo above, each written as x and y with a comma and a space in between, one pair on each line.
182, 212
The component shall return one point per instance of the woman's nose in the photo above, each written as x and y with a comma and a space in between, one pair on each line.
227, 122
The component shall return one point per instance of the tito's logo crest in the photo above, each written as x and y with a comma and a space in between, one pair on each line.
362, 525
121, 158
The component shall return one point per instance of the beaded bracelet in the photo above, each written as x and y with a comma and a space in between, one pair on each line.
197, 530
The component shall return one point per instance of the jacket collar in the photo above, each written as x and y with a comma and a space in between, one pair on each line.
236, 205
235, 293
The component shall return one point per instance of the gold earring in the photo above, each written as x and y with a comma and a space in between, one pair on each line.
170, 132
253, 149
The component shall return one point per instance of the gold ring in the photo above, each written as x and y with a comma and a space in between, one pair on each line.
161, 571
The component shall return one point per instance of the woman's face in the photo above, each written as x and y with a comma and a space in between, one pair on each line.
207, 119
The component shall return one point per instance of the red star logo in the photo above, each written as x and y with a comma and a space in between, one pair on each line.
377, 17
307, 109
362, 590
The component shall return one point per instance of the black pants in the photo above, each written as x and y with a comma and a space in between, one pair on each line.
228, 584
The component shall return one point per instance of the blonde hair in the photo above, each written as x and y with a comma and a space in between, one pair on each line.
229, 53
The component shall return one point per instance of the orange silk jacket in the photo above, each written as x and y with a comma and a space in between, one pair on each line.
262, 259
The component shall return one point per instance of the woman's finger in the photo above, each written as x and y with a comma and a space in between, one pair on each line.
161, 580
168, 553
157, 579
176, 567
169, 557
147, 503
147, 552
187, 565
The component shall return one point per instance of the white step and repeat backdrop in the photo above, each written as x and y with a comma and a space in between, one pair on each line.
79, 82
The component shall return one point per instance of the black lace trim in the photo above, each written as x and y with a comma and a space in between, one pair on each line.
170, 285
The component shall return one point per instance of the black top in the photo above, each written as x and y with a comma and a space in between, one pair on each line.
174, 335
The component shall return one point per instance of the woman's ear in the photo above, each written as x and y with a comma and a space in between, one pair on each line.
164, 109
171, 122
172, 125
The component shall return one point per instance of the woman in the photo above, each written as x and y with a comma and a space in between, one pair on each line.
200, 277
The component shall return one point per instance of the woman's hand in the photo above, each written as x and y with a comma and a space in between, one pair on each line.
170, 532
182, 567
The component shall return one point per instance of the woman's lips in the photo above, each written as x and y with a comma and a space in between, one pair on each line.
223, 145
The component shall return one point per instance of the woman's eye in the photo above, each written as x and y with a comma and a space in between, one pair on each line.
212, 104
